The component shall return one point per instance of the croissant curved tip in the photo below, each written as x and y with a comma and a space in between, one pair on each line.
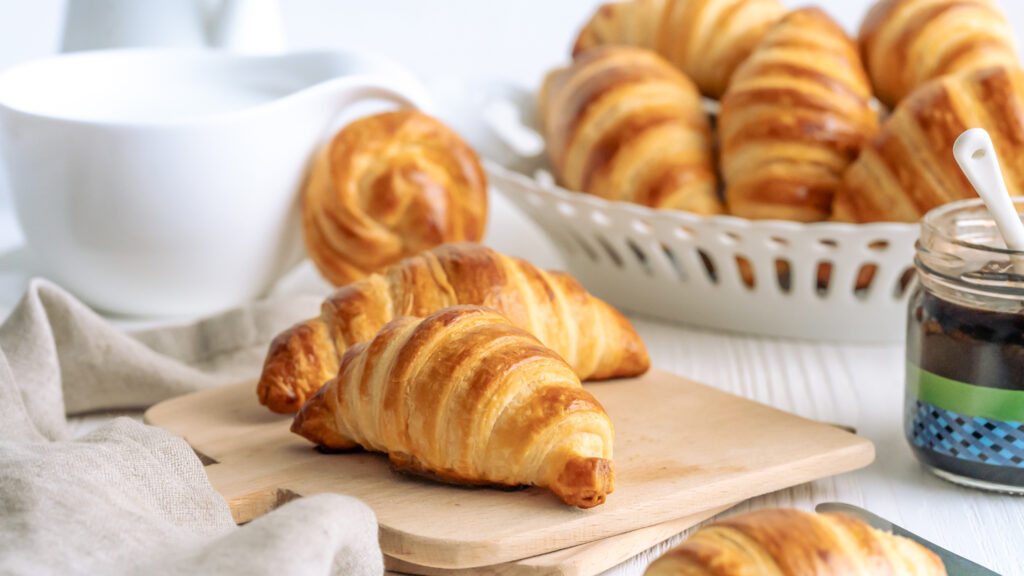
314, 423
277, 398
298, 362
585, 482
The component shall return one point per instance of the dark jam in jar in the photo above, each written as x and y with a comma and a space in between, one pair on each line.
965, 375
964, 410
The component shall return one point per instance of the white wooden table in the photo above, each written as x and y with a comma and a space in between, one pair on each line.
858, 386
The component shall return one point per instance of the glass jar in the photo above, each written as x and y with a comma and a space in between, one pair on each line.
964, 411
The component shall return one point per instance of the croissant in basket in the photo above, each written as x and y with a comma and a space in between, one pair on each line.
796, 114
906, 43
706, 39
909, 168
783, 542
623, 124
389, 186
465, 397
594, 338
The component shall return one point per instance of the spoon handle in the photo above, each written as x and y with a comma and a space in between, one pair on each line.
977, 158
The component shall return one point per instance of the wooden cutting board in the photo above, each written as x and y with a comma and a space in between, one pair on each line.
680, 448
583, 560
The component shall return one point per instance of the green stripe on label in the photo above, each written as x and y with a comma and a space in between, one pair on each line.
965, 399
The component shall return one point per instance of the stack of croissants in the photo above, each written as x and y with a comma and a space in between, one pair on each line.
460, 363
466, 365
798, 133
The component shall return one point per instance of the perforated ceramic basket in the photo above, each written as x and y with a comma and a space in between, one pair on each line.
822, 281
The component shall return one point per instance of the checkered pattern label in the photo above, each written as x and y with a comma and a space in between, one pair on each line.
976, 439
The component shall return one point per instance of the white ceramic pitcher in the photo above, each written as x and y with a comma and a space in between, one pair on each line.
237, 25
166, 182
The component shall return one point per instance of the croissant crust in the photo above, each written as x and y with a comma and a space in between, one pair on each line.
796, 114
783, 542
908, 168
906, 43
468, 398
622, 124
705, 39
596, 340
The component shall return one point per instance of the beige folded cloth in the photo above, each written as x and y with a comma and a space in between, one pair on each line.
133, 499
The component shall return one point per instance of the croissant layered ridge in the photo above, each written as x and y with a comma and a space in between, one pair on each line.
907, 43
786, 542
594, 338
908, 168
795, 116
623, 124
705, 39
466, 397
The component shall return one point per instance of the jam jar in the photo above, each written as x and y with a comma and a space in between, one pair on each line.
964, 411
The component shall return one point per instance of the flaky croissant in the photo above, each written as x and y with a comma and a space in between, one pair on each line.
906, 43
622, 124
466, 397
706, 39
783, 542
908, 167
389, 186
795, 115
594, 338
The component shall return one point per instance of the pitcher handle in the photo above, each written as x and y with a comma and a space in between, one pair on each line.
351, 91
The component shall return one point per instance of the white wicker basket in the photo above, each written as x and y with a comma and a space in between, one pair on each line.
810, 281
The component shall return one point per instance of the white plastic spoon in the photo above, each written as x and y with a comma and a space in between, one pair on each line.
977, 158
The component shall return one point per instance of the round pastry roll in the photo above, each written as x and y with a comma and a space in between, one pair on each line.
389, 186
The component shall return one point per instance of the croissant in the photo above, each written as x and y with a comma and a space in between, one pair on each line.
906, 43
783, 542
795, 115
596, 340
622, 124
706, 39
389, 186
908, 167
466, 397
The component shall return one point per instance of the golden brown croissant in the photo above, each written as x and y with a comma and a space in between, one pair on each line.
796, 114
906, 43
594, 338
908, 167
389, 186
622, 124
783, 542
468, 398
706, 39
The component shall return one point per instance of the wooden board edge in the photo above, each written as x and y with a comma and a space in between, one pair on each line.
571, 561
443, 554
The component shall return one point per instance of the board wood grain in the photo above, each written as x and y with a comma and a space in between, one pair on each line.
583, 560
680, 448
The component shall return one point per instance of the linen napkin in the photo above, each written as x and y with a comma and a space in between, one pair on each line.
133, 499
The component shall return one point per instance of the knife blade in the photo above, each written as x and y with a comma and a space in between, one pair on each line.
955, 565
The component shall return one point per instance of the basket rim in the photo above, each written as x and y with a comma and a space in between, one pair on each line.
495, 169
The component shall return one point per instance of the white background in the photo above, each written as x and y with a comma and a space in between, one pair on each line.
514, 40
510, 39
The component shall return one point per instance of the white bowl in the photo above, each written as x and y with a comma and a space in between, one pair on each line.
165, 182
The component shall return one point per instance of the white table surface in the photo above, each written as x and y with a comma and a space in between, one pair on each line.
857, 386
